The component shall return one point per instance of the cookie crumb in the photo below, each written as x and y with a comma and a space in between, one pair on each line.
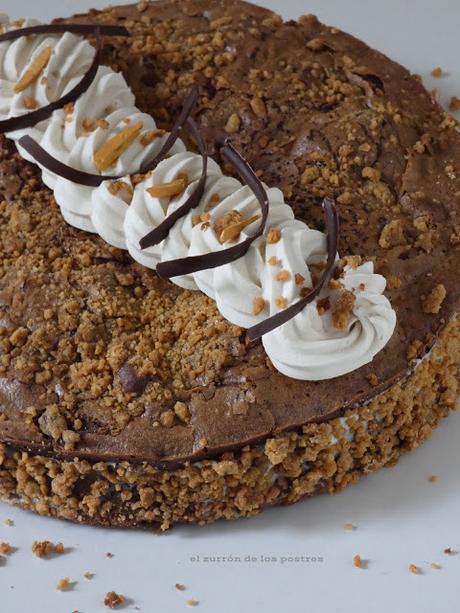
42, 549
449, 551
8, 522
64, 584
432, 478
113, 600
109, 555
358, 562
59, 548
435, 565
432, 304
454, 104
192, 602
180, 587
415, 570
88, 575
436, 72
349, 526
5, 549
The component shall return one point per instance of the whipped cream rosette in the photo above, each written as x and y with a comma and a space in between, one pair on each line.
103, 132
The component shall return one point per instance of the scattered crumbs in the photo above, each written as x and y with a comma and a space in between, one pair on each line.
180, 587
415, 570
349, 526
435, 565
59, 548
432, 478
109, 555
192, 602
5, 549
42, 549
64, 584
454, 104
436, 72
8, 522
449, 551
88, 575
113, 600
358, 562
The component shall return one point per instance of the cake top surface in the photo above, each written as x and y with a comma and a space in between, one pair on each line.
102, 358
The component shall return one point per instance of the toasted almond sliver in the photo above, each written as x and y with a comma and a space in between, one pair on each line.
233, 231
173, 188
111, 150
34, 70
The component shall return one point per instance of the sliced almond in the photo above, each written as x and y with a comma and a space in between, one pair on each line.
233, 231
34, 70
173, 188
111, 150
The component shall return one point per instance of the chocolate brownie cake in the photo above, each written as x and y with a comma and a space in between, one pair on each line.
129, 400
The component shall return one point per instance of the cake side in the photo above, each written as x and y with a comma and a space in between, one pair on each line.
103, 359
322, 457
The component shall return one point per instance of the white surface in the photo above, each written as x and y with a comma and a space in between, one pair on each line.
401, 517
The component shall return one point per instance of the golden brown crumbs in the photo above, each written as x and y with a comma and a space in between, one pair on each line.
415, 570
233, 124
343, 309
310, 174
318, 44
436, 72
42, 549
304, 291
273, 260
435, 565
232, 231
88, 575
142, 5
283, 275
167, 418
258, 305
454, 104
150, 136
273, 236
180, 587
115, 187
299, 279
373, 174
200, 218
258, 107
357, 561
393, 282
69, 108
169, 189
5, 549
102, 123
392, 235
349, 526
8, 522
281, 303
113, 600
432, 304
323, 305
88, 125
29, 102
373, 379
192, 602
432, 478
64, 584
182, 411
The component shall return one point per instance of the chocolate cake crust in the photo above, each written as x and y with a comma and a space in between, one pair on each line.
102, 359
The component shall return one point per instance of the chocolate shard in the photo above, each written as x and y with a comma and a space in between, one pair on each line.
28, 120
191, 264
46, 160
332, 230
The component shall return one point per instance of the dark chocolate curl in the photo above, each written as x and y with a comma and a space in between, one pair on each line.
332, 229
28, 120
194, 263
162, 230
46, 160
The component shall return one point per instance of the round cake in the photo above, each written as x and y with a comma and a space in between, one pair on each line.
127, 400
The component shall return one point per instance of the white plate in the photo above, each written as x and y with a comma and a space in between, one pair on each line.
401, 517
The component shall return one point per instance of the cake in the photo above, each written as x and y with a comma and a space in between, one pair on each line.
127, 400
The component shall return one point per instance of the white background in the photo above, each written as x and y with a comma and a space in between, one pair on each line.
401, 517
